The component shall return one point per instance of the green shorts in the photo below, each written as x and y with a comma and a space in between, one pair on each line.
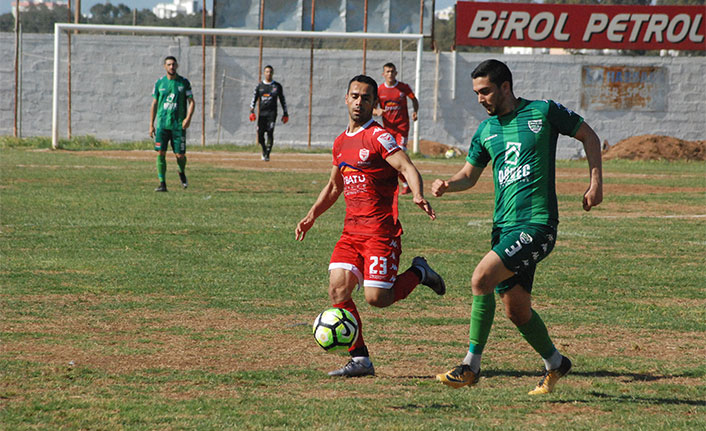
520, 249
163, 137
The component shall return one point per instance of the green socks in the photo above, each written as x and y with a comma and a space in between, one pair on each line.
482, 315
181, 161
161, 168
536, 334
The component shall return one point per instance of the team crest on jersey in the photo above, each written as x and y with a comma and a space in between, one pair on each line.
364, 153
387, 141
180, 88
535, 125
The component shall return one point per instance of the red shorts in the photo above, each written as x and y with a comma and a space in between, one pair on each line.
400, 138
373, 259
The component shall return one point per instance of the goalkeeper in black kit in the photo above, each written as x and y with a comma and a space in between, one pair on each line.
267, 92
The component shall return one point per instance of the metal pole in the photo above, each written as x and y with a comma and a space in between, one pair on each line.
418, 78
203, 75
400, 69
365, 30
77, 13
311, 72
453, 74
220, 107
19, 98
259, 63
55, 91
436, 85
68, 79
213, 61
17, 63
417, 90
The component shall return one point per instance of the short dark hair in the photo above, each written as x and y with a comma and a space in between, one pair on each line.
170, 57
270, 67
390, 65
365, 79
496, 71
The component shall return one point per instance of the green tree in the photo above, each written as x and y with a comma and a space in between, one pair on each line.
36, 19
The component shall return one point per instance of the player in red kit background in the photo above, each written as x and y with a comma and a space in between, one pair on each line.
392, 95
366, 162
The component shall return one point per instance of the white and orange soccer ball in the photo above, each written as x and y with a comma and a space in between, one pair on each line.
335, 329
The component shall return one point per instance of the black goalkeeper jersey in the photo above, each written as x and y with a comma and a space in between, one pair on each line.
268, 95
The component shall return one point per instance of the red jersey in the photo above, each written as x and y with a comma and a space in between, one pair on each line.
370, 183
394, 101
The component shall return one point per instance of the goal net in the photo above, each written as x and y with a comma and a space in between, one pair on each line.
113, 74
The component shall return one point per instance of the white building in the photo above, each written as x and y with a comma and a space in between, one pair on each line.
445, 14
170, 10
25, 5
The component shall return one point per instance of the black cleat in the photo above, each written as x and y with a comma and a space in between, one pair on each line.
431, 278
353, 369
162, 187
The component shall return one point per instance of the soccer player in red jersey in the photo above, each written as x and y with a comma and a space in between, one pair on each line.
366, 162
392, 95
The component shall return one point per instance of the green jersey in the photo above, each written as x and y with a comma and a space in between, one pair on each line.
171, 95
522, 148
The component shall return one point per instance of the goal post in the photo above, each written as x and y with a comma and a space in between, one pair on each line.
188, 31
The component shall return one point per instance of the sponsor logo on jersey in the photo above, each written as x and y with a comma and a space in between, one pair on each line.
512, 153
387, 141
513, 174
535, 125
525, 238
364, 153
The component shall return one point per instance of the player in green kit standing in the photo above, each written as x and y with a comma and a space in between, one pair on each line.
172, 106
519, 140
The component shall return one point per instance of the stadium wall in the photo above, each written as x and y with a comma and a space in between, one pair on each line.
113, 76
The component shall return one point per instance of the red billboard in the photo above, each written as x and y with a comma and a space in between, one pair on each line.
580, 26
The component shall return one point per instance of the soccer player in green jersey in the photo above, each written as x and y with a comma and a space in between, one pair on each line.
519, 140
172, 105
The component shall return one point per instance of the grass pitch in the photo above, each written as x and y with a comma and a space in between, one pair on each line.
127, 309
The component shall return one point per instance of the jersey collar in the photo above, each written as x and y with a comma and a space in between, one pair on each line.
391, 86
363, 127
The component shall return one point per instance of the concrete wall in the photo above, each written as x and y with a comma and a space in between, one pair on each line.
113, 76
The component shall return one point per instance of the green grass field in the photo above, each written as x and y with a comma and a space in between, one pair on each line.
124, 309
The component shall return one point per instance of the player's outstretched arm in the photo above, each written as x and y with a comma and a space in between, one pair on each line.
464, 179
592, 146
401, 162
328, 196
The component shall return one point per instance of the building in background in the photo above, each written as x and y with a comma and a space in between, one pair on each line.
170, 10
25, 5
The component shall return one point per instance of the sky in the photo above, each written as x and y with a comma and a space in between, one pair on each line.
5, 5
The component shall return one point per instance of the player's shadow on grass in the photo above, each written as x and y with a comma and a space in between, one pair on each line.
647, 400
623, 377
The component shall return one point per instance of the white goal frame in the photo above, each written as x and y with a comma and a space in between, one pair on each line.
183, 31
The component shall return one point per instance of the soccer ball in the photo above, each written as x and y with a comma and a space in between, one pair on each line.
335, 329
450, 154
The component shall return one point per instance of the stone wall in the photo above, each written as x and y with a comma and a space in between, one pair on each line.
113, 76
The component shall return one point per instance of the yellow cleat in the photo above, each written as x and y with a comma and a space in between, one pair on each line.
546, 385
459, 376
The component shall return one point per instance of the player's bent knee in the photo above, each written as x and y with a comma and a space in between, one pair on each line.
379, 298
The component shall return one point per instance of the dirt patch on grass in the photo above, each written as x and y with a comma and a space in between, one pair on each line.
656, 147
